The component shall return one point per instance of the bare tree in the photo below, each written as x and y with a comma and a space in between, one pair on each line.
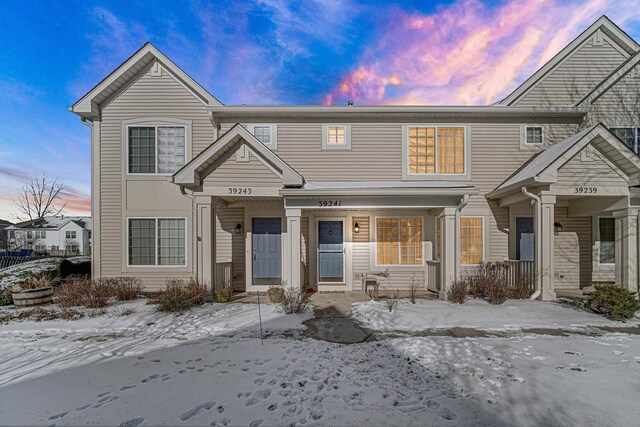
40, 197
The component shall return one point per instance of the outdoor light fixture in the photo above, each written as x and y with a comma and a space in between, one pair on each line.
238, 229
356, 228
557, 228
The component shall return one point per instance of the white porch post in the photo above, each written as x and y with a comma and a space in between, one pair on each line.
449, 255
205, 236
627, 248
291, 262
545, 238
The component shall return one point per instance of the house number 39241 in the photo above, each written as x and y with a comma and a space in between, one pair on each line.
329, 203
585, 190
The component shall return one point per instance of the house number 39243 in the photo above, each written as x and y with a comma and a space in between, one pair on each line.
329, 203
239, 190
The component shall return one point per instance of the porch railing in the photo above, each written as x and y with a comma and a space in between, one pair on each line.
520, 272
224, 273
433, 276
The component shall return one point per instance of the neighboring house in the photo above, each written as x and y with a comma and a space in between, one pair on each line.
3, 234
53, 234
318, 196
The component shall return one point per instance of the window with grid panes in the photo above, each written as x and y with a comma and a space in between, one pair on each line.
156, 149
534, 135
399, 241
471, 240
629, 135
262, 134
157, 241
170, 148
336, 135
607, 229
436, 150
142, 241
171, 241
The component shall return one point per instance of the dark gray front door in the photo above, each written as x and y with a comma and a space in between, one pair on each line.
330, 251
267, 253
524, 239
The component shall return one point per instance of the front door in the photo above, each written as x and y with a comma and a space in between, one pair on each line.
331, 251
267, 253
524, 239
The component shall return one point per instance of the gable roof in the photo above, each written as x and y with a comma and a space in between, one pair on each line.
609, 81
88, 106
53, 222
542, 168
193, 173
604, 24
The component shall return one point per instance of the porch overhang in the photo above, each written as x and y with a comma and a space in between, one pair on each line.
541, 170
376, 195
193, 173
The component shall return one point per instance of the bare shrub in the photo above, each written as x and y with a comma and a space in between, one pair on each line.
72, 291
522, 289
294, 300
178, 296
373, 293
391, 298
497, 292
97, 295
275, 293
124, 288
413, 290
458, 291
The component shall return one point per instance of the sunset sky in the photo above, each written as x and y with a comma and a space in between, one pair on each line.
265, 52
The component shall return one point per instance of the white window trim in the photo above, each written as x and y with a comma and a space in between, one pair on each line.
375, 241
154, 122
542, 139
484, 243
435, 176
68, 232
325, 137
636, 134
156, 265
598, 242
273, 129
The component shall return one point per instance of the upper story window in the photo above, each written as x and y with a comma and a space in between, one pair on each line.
629, 135
533, 135
41, 234
436, 150
70, 234
156, 149
264, 133
336, 137
29, 234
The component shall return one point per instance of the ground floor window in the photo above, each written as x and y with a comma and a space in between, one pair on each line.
607, 233
157, 241
399, 241
472, 240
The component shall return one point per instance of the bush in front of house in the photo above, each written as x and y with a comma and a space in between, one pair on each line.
294, 300
275, 293
497, 282
78, 291
458, 291
614, 302
124, 288
68, 268
223, 292
178, 296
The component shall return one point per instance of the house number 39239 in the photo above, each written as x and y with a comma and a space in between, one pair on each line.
585, 190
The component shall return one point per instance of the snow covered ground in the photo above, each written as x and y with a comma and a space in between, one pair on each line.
14, 274
476, 313
208, 367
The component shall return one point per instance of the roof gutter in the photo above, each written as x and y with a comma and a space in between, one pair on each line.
536, 233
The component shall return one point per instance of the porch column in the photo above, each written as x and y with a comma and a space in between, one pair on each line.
205, 236
449, 255
544, 237
627, 248
291, 261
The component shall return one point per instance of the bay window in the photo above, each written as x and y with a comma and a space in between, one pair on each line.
399, 241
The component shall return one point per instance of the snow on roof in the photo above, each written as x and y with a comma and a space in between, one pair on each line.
55, 222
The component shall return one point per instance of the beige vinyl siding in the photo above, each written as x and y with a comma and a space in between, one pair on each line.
244, 174
620, 105
590, 171
576, 76
230, 247
572, 250
149, 96
361, 251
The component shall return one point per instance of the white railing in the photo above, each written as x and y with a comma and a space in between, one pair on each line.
224, 273
433, 276
519, 272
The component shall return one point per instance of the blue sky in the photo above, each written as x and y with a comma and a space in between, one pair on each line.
264, 52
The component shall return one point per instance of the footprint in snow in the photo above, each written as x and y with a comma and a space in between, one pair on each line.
440, 410
255, 423
135, 422
185, 416
575, 353
60, 415
127, 387
617, 353
257, 397
82, 408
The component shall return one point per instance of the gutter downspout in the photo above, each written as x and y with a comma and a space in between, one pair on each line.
537, 229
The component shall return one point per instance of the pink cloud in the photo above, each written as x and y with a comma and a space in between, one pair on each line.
466, 53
